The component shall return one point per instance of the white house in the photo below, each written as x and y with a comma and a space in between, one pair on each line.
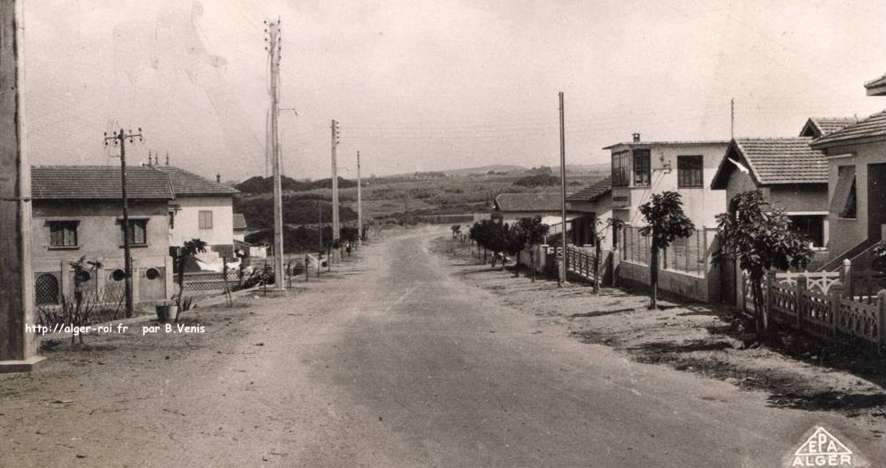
203, 210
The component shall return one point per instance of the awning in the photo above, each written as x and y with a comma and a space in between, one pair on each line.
843, 191
556, 220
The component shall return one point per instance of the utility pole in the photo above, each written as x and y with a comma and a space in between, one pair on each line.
336, 139
562, 276
273, 48
18, 344
732, 118
119, 138
359, 205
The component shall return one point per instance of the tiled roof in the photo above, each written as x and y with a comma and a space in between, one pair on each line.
186, 183
873, 85
775, 161
642, 144
592, 192
820, 126
532, 202
98, 183
239, 221
871, 127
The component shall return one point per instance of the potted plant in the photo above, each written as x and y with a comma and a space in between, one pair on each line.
162, 311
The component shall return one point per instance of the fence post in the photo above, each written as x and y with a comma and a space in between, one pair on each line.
835, 295
846, 278
770, 285
802, 286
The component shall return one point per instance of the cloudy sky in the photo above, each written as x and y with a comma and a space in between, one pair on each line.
430, 85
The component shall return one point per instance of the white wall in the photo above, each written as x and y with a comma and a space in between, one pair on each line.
187, 220
701, 204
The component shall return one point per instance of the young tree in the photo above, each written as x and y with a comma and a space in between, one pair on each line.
514, 243
665, 222
760, 238
533, 232
189, 250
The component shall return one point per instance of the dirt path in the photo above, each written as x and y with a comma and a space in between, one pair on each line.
392, 361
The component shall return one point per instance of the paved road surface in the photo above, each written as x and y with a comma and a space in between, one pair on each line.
397, 363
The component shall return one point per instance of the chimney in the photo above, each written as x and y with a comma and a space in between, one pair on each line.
218, 178
636, 137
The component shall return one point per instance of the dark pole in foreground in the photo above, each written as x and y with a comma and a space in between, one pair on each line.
120, 138
562, 277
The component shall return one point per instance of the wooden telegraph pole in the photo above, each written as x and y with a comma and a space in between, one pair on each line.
359, 205
18, 343
562, 277
336, 139
274, 47
119, 138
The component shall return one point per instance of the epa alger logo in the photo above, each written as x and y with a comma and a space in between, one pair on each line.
822, 449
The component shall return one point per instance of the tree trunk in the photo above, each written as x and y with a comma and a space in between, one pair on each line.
597, 253
532, 263
517, 266
653, 277
181, 281
759, 308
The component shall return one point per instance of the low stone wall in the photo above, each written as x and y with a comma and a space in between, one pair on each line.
694, 287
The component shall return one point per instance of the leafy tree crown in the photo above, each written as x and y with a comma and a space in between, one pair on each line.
665, 220
760, 237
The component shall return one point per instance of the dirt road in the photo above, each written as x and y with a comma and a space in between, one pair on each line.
390, 362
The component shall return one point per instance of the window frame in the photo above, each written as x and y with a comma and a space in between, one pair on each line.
72, 225
200, 220
641, 165
133, 222
690, 177
822, 219
620, 174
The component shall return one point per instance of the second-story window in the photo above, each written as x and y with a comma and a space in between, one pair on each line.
138, 232
620, 169
690, 171
63, 234
642, 168
205, 219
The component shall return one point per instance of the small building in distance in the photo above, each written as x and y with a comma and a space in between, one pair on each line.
240, 227
77, 213
510, 207
592, 206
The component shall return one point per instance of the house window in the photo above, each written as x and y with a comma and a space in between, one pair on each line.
46, 289
620, 169
63, 234
138, 232
642, 168
690, 171
205, 219
809, 226
844, 200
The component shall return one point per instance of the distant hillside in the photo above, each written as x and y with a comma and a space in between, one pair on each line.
260, 184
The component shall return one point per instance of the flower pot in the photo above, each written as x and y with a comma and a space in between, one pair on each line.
172, 316
162, 312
